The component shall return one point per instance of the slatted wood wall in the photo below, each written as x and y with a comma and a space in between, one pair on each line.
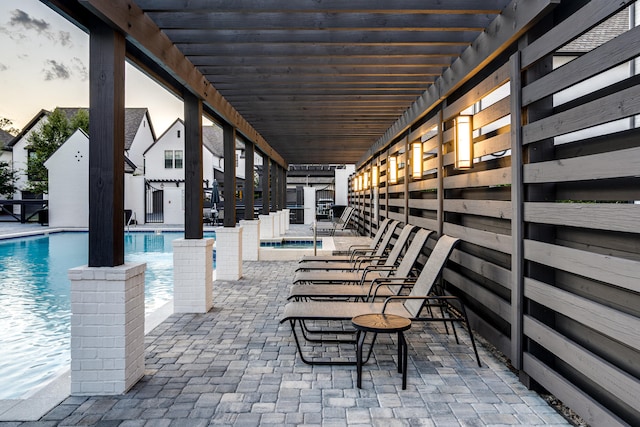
549, 263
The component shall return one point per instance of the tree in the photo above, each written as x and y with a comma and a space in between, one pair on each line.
8, 179
7, 126
44, 142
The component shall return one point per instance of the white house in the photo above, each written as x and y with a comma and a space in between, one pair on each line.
164, 173
69, 182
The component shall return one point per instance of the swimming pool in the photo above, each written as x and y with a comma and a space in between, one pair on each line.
35, 300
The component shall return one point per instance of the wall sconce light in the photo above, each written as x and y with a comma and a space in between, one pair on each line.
463, 142
392, 170
359, 182
366, 180
374, 176
416, 160
354, 183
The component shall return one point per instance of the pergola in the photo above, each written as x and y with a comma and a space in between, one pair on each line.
549, 263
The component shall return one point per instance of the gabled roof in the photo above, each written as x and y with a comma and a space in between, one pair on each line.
5, 138
155, 140
609, 29
212, 139
27, 127
132, 119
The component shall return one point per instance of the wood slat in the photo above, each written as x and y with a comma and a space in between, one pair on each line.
587, 17
491, 208
426, 223
616, 164
600, 216
488, 299
492, 113
424, 204
482, 89
500, 142
620, 272
486, 269
495, 241
423, 185
606, 109
614, 52
479, 179
615, 381
584, 405
619, 326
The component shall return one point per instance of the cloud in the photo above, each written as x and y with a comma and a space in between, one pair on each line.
80, 69
55, 70
3, 67
20, 18
64, 37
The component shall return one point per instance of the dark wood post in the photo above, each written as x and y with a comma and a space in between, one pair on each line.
106, 146
249, 189
274, 186
193, 194
229, 144
284, 188
266, 186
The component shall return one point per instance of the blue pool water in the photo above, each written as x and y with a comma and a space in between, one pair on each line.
35, 302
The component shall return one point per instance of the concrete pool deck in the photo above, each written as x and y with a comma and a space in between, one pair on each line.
237, 365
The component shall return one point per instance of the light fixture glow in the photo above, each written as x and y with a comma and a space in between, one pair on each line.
354, 183
366, 180
463, 142
374, 176
392, 169
416, 160
359, 182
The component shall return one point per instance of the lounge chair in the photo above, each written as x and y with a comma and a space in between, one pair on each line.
338, 225
383, 248
353, 250
409, 306
336, 272
390, 282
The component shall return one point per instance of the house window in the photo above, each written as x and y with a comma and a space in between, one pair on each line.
178, 159
178, 133
168, 159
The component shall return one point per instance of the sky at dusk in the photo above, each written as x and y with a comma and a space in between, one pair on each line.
44, 63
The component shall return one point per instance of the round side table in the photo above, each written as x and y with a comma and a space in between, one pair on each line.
376, 323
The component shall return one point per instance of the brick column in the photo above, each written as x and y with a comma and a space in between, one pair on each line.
266, 226
250, 239
228, 253
192, 275
107, 328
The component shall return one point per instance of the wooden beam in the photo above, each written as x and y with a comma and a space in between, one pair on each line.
193, 174
106, 146
407, 6
249, 190
141, 31
517, 217
229, 191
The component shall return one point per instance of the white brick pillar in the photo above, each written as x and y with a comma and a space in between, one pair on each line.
276, 224
250, 239
266, 226
107, 328
283, 223
192, 275
228, 253
287, 218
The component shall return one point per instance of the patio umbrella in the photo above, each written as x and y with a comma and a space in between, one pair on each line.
215, 194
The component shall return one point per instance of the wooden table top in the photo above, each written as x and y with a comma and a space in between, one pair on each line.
377, 322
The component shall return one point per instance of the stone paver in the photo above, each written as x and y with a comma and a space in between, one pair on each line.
237, 365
